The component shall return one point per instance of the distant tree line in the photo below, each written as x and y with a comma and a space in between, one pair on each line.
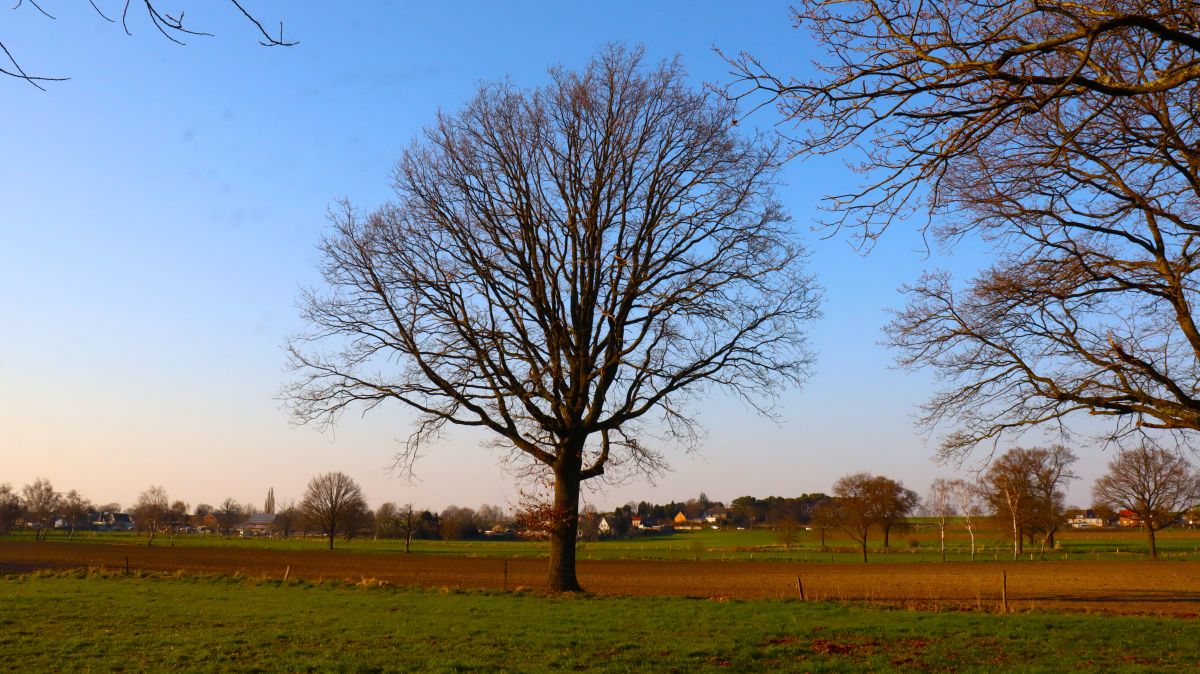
1023, 490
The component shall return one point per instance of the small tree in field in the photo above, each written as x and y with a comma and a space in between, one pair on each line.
74, 508
856, 507
787, 532
151, 510
824, 517
1026, 489
228, 515
968, 502
385, 516
333, 501
1153, 483
939, 504
10, 508
407, 522
560, 267
288, 519
893, 504
39, 502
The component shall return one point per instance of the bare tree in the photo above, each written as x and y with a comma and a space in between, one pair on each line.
171, 26
331, 501
407, 522
856, 507
490, 516
1065, 134
10, 508
176, 518
288, 519
940, 505
457, 523
1153, 483
75, 507
228, 516
1026, 489
200, 514
385, 516
893, 504
40, 504
360, 519
269, 504
560, 266
824, 517
151, 510
787, 532
968, 501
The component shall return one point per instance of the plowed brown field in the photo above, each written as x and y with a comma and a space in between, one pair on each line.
1143, 587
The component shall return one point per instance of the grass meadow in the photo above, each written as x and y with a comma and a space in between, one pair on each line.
920, 543
83, 622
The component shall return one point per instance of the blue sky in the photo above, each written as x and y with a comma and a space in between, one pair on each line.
159, 213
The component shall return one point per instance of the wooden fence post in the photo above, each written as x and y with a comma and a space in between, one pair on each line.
1004, 591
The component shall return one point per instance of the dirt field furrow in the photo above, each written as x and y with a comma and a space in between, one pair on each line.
1126, 587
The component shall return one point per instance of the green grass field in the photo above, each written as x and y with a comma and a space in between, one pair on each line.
919, 544
75, 622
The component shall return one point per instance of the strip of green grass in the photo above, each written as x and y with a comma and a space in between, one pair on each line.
726, 544
106, 623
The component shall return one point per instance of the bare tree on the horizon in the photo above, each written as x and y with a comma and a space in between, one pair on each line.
559, 265
1153, 483
333, 501
39, 503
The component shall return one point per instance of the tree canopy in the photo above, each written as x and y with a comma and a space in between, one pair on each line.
559, 265
1065, 135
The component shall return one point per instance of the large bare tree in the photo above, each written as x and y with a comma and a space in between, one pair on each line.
1063, 133
1154, 483
169, 22
560, 263
333, 501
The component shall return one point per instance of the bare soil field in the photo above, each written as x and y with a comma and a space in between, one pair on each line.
1118, 587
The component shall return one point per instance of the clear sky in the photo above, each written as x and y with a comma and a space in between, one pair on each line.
159, 213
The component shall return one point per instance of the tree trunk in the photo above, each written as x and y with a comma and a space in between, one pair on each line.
1151, 541
942, 539
565, 527
887, 530
407, 542
1016, 534
332, 534
972, 532
863, 547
